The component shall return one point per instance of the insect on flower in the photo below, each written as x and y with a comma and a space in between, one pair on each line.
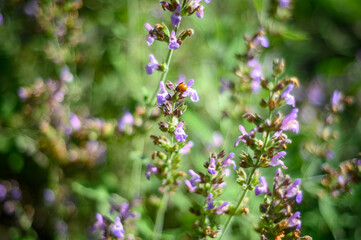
181, 88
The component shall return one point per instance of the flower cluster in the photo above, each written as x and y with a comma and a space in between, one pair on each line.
278, 219
66, 136
209, 185
174, 39
170, 99
105, 228
338, 181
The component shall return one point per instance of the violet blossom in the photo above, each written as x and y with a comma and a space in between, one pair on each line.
117, 229
290, 122
151, 170
212, 166
227, 161
209, 201
221, 208
262, 188
176, 16
152, 65
275, 160
294, 221
173, 41
284, 3
187, 148
261, 40
294, 190
75, 122
150, 38
288, 98
99, 224
179, 133
241, 138
190, 91
162, 95
191, 187
195, 177
126, 120
3, 192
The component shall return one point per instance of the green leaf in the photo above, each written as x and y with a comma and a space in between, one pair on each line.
293, 34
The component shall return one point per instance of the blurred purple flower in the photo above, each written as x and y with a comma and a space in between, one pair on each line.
61, 228
221, 208
262, 187
176, 16
151, 170
187, 148
275, 160
336, 98
162, 95
191, 187
227, 161
190, 91
212, 166
49, 196
117, 229
288, 98
284, 3
66, 75
179, 133
290, 122
152, 65
195, 177
294, 221
125, 211
75, 122
150, 38
330, 154
173, 41
23, 93
315, 93
209, 201
31, 8
16, 193
1, 19
3, 192
241, 138
99, 224
261, 40
126, 120
217, 139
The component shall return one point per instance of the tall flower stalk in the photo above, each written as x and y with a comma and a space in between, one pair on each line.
170, 99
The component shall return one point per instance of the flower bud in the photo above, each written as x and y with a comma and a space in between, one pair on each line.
163, 126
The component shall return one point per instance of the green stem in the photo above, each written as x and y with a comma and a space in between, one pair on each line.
160, 216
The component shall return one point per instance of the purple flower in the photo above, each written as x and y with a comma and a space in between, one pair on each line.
200, 11
1, 19
66, 75
16, 193
150, 38
341, 179
330, 154
190, 91
221, 208
173, 43
336, 98
151, 170
152, 65
31, 8
49, 196
288, 98
262, 188
294, 221
126, 120
294, 190
117, 229
3, 192
290, 122
176, 16
315, 92
23, 93
75, 122
162, 95
263, 40
207, 1
99, 224
241, 138
179, 133
278, 178
187, 148
284, 3
212, 166
209, 202
125, 211
191, 187
275, 160
195, 177
227, 161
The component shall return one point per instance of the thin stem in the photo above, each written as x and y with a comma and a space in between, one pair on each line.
160, 216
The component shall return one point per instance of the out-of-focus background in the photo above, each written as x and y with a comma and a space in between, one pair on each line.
71, 69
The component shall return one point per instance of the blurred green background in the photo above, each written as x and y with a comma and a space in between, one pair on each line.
104, 46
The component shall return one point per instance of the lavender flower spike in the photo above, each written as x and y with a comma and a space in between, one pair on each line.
209, 201
294, 221
152, 65
290, 122
227, 161
190, 91
176, 16
180, 135
275, 160
162, 95
117, 229
150, 38
289, 99
262, 188
173, 41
